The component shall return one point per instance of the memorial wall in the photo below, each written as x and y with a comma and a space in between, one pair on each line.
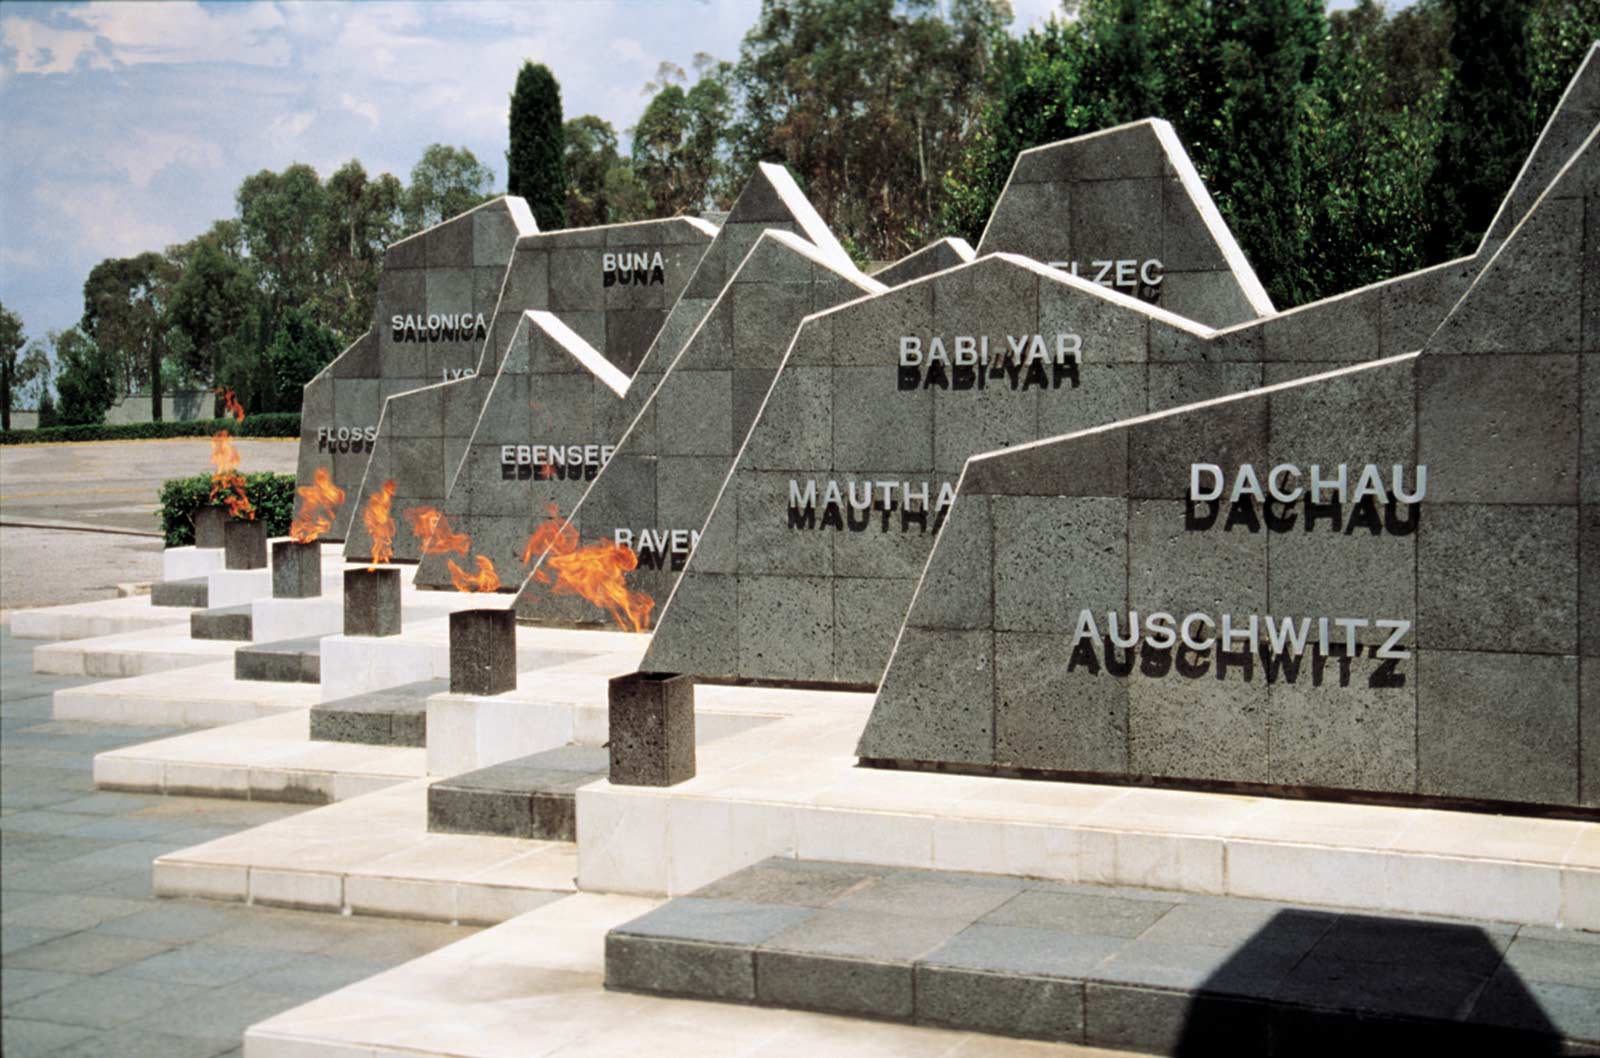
1379, 581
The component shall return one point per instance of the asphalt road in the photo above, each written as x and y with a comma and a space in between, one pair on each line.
67, 512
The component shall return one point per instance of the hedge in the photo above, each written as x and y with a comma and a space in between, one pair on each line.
266, 424
272, 495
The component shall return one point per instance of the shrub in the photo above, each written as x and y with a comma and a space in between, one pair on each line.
272, 495
267, 424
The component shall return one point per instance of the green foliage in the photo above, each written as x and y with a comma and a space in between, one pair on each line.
601, 185
300, 348
47, 410
278, 424
678, 142
125, 303
446, 182
535, 166
870, 103
272, 496
86, 381
20, 372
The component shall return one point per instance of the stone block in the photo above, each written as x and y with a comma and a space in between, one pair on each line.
372, 602
1050, 713
1161, 1022
678, 968
296, 569
938, 704
1180, 570
791, 883
1340, 731
483, 651
1499, 429
1088, 534
1199, 726
245, 543
208, 526
867, 613
958, 593
785, 622
1037, 1008
1523, 592
854, 987
1500, 727
652, 729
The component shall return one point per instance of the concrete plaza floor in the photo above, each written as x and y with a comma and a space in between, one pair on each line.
76, 520
92, 963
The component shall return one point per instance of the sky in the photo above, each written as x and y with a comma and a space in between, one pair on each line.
126, 127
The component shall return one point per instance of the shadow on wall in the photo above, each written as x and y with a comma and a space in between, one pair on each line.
1366, 986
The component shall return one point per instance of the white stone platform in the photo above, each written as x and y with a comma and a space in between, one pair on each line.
373, 855
270, 759
136, 653
532, 987
198, 696
101, 617
791, 788
184, 563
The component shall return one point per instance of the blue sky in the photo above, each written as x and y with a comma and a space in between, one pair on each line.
125, 127
128, 126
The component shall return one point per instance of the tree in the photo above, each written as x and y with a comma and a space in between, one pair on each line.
300, 348
12, 342
602, 187
445, 182
678, 143
124, 311
86, 379
364, 217
217, 294
283, 220
870, 103
535, 166
1488, 124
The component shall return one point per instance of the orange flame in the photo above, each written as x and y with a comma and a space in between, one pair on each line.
231, 405
432, 528
226, 480
379, 525
320, 499
594, 572
486, 579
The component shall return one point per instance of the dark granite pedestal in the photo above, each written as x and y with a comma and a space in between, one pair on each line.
296, 570
208, 523
652, 729
483, 651
530, 797
372, 602
245, 544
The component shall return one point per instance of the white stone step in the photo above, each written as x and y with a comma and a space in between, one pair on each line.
182, 563
270, 759
199, 696
135, 653
373, 854
532, 987
101, 617
792, 788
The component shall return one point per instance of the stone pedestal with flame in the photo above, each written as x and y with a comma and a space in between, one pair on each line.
483, 651
244, 543
296, 570
372, 602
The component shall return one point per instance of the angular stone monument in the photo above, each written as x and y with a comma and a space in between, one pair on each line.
934, 257
799, 578
612, 285
436, 295
1124, 208
655, 490
520, 492
1379, 582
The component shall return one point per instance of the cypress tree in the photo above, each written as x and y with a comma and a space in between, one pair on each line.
534, 161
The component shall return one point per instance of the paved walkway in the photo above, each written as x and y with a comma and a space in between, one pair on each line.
102, 485
91, 964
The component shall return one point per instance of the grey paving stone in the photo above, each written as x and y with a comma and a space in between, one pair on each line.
1026, 950
17, 984
105, 1001
716, 921
926, 895
70, 912
865, 935
179, 921
1233, 923
1107, 916
284, 661
22, 1038
312, 976
87, 953
125, 1044
1543, 1007
205, 964
1565, 962
798, 883
221, 622
1160, 1022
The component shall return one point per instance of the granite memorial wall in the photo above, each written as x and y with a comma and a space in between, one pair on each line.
1382, 581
